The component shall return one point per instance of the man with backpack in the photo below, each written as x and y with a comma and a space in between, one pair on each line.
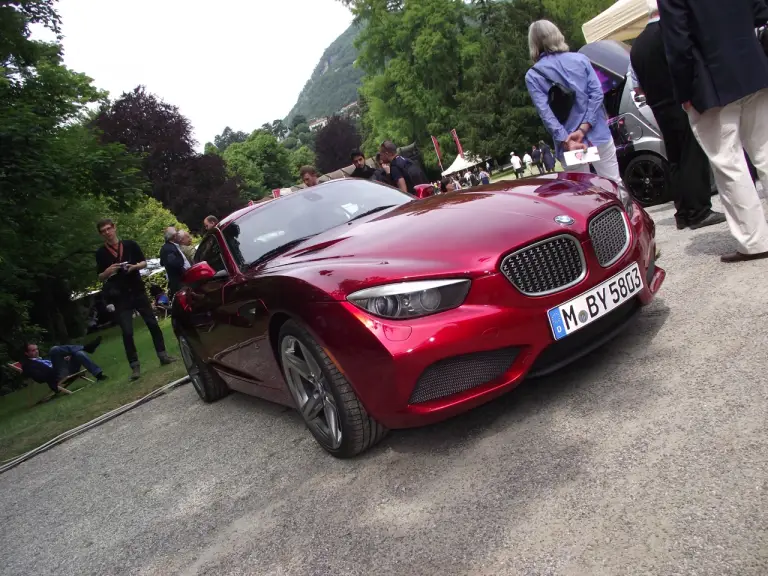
403, 173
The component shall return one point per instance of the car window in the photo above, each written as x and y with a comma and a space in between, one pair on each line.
210, 251
305, 213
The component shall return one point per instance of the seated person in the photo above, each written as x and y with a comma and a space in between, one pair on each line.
62, 362
382, 173
159, 295
362, 170
447, 185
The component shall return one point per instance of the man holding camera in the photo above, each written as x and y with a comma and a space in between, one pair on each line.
118, 263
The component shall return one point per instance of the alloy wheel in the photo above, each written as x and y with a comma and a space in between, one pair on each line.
646, 182
310, 391
193, 369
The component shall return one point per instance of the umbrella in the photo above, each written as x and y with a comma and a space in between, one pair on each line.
610, 55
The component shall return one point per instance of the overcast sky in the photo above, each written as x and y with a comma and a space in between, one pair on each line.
236, 63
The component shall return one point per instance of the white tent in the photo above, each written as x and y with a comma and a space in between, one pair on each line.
462, 164
622, 21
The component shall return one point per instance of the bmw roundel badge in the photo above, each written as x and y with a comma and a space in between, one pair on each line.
563, 219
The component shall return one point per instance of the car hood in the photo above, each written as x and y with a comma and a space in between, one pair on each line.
463, 233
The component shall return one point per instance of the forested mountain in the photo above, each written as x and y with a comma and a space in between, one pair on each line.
334, 82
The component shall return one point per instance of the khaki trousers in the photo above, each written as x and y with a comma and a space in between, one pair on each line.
724, 133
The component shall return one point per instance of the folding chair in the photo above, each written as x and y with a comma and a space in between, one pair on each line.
164, 309
68, 381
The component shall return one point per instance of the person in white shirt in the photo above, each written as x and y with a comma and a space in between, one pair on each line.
184, 240
517, 164
527, 160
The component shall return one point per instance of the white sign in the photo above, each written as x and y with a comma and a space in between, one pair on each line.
576, 157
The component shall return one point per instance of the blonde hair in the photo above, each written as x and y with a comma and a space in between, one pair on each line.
545, 38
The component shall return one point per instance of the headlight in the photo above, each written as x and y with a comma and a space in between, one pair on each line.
626, 199
411, 299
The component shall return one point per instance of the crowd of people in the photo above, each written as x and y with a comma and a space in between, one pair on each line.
704, 72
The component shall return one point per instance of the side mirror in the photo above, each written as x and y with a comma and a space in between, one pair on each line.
198, 273
221, 274
424, 190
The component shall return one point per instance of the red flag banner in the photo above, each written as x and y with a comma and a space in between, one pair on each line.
458, 142
437, 151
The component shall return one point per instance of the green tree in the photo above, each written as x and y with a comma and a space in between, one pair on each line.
496, 114
333, 144
191, 185
261, 162
297, 120
301, 157
56, 179
290, 143
570, 15
229, 137
412, 55
145, 223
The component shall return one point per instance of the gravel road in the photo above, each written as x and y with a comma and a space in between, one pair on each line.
649, 457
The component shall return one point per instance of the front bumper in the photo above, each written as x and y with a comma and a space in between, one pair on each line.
492, 342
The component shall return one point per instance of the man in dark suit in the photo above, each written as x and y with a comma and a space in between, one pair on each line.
173, 260
720, 76
689, 166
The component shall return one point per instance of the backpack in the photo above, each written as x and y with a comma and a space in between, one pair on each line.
412, 173
560, 98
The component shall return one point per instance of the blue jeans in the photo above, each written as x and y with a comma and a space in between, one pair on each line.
77, 360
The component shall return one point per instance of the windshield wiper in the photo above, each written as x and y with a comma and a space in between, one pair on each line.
279, 250
371, 211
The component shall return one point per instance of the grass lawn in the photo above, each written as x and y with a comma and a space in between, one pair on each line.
25, 425
510, 174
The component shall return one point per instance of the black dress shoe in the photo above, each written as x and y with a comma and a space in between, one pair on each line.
709, 220
740, 257
681, 224
91, 346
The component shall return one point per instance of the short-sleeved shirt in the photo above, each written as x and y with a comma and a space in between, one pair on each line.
397, 170
124, 282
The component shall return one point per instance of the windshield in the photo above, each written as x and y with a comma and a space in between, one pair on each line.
304, 214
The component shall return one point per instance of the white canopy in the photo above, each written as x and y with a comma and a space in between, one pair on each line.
622, 21
462, 164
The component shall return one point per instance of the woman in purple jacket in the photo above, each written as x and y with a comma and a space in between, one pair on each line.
587, 123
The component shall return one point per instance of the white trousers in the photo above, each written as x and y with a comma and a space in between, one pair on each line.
724, 133
607, 166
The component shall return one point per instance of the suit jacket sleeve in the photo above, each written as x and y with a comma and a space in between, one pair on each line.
171, 258
678, 46
760, 9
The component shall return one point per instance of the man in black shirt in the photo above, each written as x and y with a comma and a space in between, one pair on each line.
362, 170
398, 167
689, 165
118, 263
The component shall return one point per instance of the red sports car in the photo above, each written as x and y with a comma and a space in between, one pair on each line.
367, 309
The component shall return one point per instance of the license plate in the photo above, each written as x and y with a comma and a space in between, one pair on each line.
597, 302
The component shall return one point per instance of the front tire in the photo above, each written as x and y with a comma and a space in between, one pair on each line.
323, 396
647, 179
208, 385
